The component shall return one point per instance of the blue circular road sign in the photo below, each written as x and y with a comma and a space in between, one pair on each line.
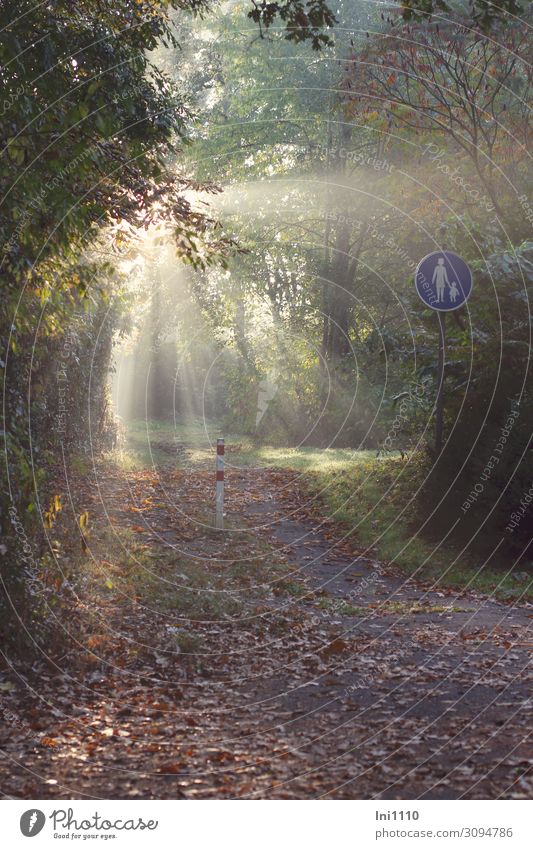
443, 281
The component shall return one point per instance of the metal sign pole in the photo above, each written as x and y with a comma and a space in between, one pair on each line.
443, 282
219, 498
439, 404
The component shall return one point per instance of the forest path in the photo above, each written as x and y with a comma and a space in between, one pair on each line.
273, 660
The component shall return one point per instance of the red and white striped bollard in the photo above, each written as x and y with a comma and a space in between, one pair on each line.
219, 500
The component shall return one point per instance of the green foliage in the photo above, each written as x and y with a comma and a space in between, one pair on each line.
90, 155
484, 13
303, 20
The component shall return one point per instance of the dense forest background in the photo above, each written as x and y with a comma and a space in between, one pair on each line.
200, 202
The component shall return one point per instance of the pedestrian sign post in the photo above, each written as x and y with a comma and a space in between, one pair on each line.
443, 282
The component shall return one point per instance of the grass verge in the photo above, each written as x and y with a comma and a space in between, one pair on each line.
374, 499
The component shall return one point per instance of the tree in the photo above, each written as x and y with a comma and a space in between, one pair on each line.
91, 147
306, 20
483, 13
448, 85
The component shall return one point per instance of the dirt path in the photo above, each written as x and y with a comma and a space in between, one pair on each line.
300, 669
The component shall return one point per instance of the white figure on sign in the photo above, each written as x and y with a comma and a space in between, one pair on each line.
440, 277
454, 291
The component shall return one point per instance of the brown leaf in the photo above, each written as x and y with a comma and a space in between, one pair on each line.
171, 768
335, 647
